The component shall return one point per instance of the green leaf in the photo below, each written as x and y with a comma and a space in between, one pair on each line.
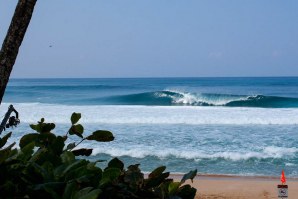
50, 187
109, 175
74, 165
47, 127
26, 151
35, 127
87, 193
156, 177
85, 152
4, 139
84, 179
157, 172
134, 176
38, 155
189, 176
75, 117
4, 153
26, 139
92, 165
187, 191
82, 192
92, 194
13, 155
41, 171
67, 157
42, 127
69, 190
101, 136
173, 187
71, 146
156, 181
77, 129
45, 139
58, 145
116, 163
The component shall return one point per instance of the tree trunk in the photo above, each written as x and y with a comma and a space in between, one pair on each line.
13, 40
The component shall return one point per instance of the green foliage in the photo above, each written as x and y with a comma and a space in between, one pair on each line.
75, 117
44, 167
4, 139
101, 136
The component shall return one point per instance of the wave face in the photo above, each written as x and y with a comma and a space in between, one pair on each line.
168, 98
228, 92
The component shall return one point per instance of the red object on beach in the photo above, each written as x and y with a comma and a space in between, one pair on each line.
283, 177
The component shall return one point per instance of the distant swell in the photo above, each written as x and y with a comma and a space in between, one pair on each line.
176, 98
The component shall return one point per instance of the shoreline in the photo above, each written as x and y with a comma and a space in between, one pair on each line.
176, 176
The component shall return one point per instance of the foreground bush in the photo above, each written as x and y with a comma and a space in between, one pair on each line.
44, 167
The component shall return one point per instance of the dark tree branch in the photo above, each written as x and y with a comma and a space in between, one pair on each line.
13, 40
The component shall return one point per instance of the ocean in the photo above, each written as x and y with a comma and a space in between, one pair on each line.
236, 126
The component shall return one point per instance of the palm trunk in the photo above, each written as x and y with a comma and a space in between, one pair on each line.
13, 40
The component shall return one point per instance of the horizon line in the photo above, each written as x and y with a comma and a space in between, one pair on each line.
140, 77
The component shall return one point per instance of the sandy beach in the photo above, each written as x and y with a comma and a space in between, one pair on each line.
239, 187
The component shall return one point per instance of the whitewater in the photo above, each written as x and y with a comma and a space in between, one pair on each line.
125, 114
241, 126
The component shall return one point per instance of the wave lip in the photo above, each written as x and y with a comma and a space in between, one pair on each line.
203, 99
177, 98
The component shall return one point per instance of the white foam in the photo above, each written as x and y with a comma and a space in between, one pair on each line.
141, 152
289, 164
186, 98
278, 152
267, 152
31, 112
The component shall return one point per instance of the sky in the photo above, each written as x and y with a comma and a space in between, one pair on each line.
157, 38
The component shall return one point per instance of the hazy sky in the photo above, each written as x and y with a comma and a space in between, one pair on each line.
157, 38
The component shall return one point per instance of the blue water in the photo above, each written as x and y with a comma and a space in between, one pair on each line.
243, 126
235, 92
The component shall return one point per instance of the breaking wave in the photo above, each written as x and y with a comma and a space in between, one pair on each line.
169, 98
270, 152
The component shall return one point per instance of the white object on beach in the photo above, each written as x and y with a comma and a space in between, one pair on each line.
282, 191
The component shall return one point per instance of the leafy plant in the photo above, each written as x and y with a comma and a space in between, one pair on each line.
43, 167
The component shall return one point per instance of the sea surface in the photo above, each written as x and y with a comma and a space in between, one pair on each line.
239, 126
